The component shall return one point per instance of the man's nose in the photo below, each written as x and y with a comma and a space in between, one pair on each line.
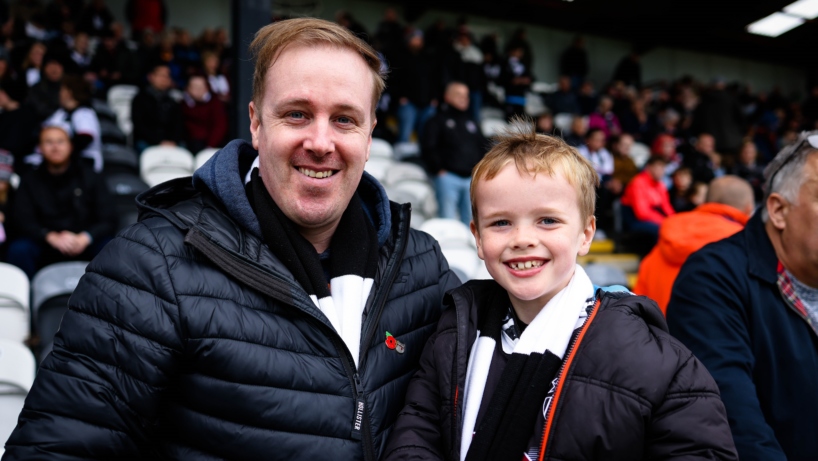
319, 139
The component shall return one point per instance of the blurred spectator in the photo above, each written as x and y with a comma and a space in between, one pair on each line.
810, 109
346, 19
519, 39
414, 85
13, 127
219, 85
564, 100
545, 124
579, 128
62, 210
14, 88
638, 122
80, 55
147, 53
594, 150
574, 63
452, 144
113, 62
6, 197
389, 34
58, 12
146, 15
747, 168
682, 181
727, 208
747, 307
33, 63
76, 114
95, 19
157, 117
185, 55
469, 69
44, 98
492, 67
629, 70
646, 203
604, 119
205, 116
696, 195
719, 114
587, 98
624, 168
702, 159
665, 145
516, 78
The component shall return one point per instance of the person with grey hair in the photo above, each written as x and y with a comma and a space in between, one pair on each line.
747, 306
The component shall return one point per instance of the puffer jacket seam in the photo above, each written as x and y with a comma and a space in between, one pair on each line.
74, 418
121, 282
222, 338
167, 269
426, 287
611, 387
384, 430
686, 395
391, 381
220, 298
269, 386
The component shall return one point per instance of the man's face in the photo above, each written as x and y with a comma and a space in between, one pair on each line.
160, 78
53, 71
596, 141
656, 170
706, 144
55, 146
457, 96
197, 88
313, 129
798, 238
623, 147
529, 231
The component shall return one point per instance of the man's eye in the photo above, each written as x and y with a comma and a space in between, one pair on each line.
298, 115
344, 120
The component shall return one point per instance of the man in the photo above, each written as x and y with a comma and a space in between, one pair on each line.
44, 98
564, 100
728, 206
646, 200
702, 158
452, 144
276, 318
747, 308
415, 85
594, 150
157, 117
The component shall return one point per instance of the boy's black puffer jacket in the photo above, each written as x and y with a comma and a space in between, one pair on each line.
628, 390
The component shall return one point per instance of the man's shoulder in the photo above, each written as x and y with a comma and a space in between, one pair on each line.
731, 251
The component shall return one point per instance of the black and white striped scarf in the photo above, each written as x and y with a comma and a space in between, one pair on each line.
353, 261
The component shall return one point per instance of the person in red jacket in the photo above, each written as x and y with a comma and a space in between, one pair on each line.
204, 116
727, 208
646, 203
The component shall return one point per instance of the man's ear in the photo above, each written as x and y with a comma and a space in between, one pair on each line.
369, 141
777, 209
255, 123
587, 236
477, 240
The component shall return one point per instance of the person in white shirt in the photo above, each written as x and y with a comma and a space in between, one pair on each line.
75, 97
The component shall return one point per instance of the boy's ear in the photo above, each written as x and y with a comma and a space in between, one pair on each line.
477, 240
587, 236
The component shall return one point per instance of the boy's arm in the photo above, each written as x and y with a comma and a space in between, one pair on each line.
416, 434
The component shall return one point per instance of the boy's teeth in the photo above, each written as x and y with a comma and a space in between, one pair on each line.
525, 265
315, 174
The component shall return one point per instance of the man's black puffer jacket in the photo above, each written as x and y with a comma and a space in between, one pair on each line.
187, 339
628, 390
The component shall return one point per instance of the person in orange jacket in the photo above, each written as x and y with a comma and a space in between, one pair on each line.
727, 208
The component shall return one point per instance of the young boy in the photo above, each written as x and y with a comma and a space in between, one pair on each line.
536, 364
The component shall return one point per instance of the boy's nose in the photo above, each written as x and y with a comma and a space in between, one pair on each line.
523, 238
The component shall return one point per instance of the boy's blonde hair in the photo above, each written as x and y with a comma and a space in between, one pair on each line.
534, 153
272, 39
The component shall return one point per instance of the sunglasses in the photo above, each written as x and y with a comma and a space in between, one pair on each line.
812, 140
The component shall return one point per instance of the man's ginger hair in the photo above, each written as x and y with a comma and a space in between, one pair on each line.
533, 154
271, 40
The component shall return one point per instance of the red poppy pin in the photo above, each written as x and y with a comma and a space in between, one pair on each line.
394, 344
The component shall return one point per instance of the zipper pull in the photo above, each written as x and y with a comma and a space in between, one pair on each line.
360, 407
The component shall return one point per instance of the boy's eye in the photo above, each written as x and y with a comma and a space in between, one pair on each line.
549, 221
500, 222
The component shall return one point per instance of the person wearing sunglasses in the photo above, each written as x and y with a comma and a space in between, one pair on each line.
747, 306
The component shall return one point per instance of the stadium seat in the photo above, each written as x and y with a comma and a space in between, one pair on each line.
111, 133
14, 303
378, 166
534, 104
119, 159
481, 273
462, 259
640, 153
50, 289
423, 196
544, 87
405, 150
492, 126
492, 113
404, 170
103, 110
448, 231
163, 163
17, 368
381, 149
124, 187
602, 274
203, 156
562, 122
119, 99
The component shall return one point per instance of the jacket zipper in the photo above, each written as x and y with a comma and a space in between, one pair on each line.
220, 255
566, 365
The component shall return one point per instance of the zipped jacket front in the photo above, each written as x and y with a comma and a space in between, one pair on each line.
627, 389
188, 339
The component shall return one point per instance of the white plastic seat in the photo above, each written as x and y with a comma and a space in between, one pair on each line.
119, 100
562, 122
423, 194
482, 273
602, 274
14, 303
402, 171
50, 283
203, 156
381, 148
163, 163
448, 231
378, 166
463, 258
17, 367
640, 153
491, 126
404, 150
492, 113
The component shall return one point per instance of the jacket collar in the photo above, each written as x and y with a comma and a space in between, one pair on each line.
761, 257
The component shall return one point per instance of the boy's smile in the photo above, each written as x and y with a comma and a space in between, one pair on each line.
529, 232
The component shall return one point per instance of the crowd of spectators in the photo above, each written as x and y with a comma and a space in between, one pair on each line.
58, 61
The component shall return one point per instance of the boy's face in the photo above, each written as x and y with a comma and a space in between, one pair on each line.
529, 233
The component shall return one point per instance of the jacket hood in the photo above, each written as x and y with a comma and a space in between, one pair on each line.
684, 233
223, 177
